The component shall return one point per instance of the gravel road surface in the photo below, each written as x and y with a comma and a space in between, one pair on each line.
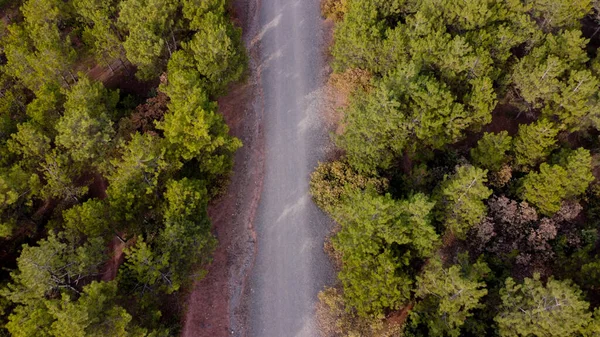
290, 266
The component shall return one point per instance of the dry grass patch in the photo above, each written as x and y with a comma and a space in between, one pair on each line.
335, 320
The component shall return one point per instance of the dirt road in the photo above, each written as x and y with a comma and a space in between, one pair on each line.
290, 266
270, 264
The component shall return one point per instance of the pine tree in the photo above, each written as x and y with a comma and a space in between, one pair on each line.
460, 199
374, 272
412, 111
86, 129
471, 15
18, 188
46, 108
533, 143
21, 59
134, 178
57, 263
187, 228
556, 309
101, 32
146, 271
60, 172
196, 10
30, 143
491, 150
150, 25
448, 296
547, 189
578, 165
370, 148
93, 314
555, 14
577, 105
54, 55
537, 78
357, 37
89, 219
194, 130
217, 51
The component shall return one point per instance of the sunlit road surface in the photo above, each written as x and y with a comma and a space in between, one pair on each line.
291, 267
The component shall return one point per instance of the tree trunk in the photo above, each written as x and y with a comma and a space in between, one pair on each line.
595, 32
125, 66
173, 38
65, 80
169, 49
72, 76
120, 237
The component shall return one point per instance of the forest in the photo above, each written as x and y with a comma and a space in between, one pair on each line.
466, 191
111, 148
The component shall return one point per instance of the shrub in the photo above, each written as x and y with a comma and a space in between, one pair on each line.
329, 182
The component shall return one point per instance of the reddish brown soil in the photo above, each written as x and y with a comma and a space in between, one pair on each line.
215, 304
97, 189
505, 117
336, 99
121, 77
112, 266
48, 205
208, 307
399, 317
10, 13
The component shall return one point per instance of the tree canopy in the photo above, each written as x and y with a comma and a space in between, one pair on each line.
111, 148
487, 112
384, 236
535, 309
